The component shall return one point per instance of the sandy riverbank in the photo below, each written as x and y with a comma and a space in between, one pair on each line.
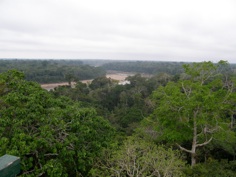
120, 76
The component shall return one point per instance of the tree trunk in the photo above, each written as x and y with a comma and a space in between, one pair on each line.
193, 159
194, 143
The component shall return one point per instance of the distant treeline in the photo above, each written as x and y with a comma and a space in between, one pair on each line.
49, 71
149, 67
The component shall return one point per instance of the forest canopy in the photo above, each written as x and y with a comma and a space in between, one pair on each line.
50, 71
180, 124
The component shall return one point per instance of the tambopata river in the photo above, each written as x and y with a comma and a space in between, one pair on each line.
119, 76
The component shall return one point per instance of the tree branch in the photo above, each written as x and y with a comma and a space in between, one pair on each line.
187, 92
205, 143
183, 149
51, 154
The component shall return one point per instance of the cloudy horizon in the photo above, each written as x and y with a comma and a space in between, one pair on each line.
170, 30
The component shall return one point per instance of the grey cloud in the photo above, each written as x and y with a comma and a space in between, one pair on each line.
161, 30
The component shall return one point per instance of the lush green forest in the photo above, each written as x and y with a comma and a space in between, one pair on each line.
51, 71
149, 67
177, 123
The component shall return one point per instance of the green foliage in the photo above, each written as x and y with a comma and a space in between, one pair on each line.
192, 111
213, 168
51, 71
204, 71
100, 82
77, 93
137, 157
52, 136
149, 67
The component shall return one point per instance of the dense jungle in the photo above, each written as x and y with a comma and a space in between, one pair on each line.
180, 120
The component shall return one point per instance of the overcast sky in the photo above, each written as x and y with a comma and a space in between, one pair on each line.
166, 30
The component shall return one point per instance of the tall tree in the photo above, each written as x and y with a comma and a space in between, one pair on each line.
193, 109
